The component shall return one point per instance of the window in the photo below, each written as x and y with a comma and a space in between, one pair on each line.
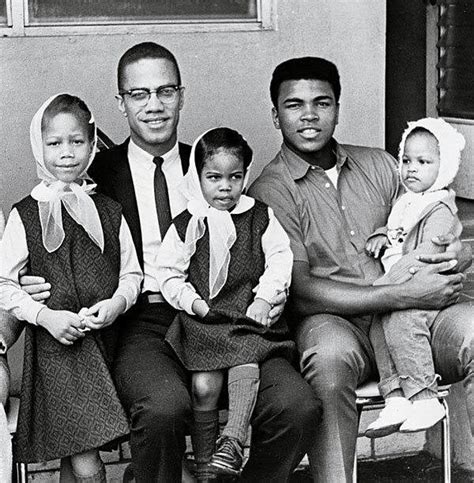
3, 13
456, 59
68, 17
94, 11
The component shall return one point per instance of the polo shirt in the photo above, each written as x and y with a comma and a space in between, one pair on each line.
328, 226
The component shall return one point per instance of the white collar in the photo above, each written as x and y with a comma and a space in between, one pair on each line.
135, 152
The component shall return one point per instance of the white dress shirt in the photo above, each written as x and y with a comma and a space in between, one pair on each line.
14, 257
143, 170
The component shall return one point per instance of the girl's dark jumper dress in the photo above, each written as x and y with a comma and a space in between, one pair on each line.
68, 400
226, 337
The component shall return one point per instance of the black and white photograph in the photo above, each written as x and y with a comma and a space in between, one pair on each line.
236, 241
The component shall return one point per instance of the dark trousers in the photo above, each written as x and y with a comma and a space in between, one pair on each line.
154, 388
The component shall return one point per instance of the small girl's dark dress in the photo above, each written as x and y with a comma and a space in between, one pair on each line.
68, 400
226, 337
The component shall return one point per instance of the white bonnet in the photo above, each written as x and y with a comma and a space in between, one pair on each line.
450, 143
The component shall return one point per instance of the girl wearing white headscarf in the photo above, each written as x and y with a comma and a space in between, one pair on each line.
227, 259
402, 339
79, 242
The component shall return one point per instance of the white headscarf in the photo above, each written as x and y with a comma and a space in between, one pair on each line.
450, 142
52, 193
222, 233
409, 207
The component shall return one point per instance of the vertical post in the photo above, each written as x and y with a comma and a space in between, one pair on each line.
446, 442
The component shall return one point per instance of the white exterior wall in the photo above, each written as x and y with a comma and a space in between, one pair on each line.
226, 77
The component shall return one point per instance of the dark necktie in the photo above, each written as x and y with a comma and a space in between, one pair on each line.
161, 197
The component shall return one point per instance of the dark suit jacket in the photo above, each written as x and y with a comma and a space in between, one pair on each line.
111, 171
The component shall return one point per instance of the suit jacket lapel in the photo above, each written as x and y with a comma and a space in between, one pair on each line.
125, 194
184, 154
123, 190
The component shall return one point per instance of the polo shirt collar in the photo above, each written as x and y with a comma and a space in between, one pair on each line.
298, 167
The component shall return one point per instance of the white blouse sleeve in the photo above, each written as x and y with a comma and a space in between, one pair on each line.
278, 261
13, 258
173, 263
131, 276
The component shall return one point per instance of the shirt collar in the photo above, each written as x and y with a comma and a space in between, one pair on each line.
244, 204
137, 153
298, 167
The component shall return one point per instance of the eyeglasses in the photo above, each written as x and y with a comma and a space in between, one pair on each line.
141, 96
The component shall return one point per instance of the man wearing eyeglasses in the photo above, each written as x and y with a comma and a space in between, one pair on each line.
144, 174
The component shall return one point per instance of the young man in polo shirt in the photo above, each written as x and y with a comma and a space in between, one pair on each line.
330, 197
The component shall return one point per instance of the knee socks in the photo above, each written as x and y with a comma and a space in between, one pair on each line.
243, 382
203, 436
66, 474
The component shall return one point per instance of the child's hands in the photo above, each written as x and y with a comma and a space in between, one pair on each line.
200, 308
258, 310
277, 305
103, 313
63, 325
375, 244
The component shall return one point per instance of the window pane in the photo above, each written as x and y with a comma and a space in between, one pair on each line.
3, 12
456, 60
93, 11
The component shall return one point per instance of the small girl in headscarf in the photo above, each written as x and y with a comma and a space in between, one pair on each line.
429, 158
221, 263
78, 240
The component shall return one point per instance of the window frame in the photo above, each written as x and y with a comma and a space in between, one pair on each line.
433, 94
17, 13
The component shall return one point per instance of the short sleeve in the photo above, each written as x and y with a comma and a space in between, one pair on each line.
279, 197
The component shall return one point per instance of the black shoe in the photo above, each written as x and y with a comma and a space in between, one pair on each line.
228, 457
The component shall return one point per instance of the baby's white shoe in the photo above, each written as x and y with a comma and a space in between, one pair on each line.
424, 414
392, 416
